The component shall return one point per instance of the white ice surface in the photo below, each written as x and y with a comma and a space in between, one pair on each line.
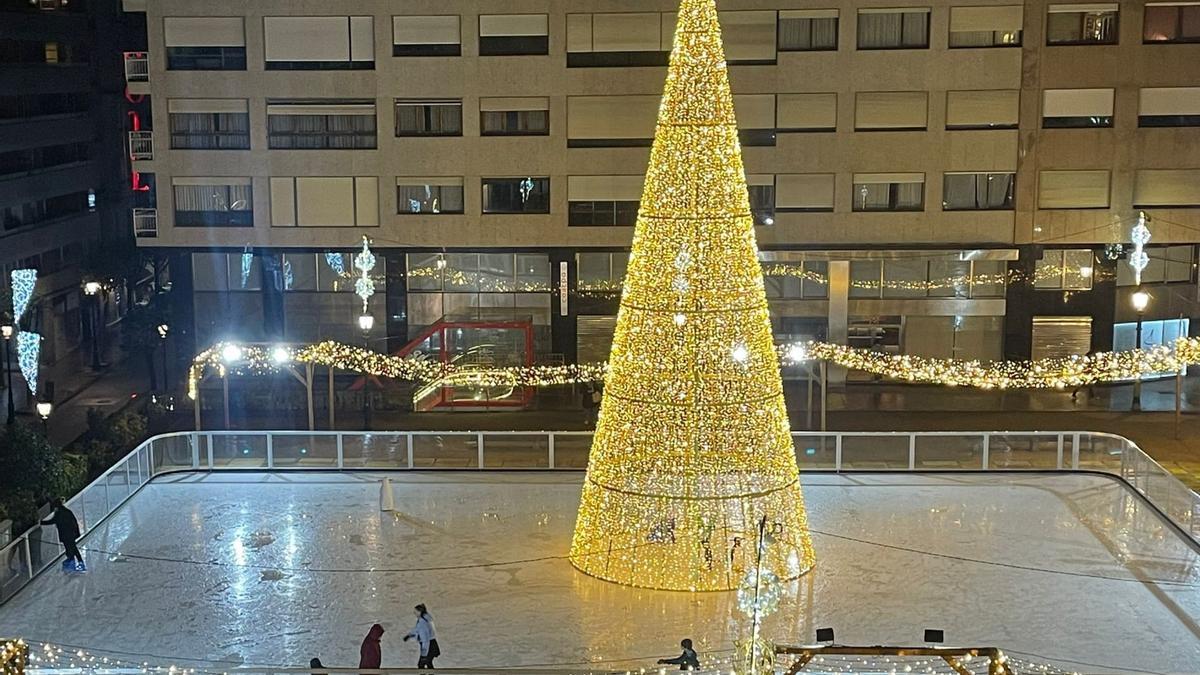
1069, 569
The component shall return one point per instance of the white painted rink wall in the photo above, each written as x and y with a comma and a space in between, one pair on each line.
259, 568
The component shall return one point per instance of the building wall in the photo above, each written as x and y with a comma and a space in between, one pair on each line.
1018, 233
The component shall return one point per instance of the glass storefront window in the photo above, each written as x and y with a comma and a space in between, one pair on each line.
905, 278
865, 278
949, 279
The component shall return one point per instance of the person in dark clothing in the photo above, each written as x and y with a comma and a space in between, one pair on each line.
688, 660
63, 519
370, 655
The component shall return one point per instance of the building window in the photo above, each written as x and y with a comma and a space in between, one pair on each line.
600, 273
514, 116
603, 200
627, 39
1171, 22
29, 160
205, 43
749, 36
428, 117
1073, 189
513, 34
516, 195
985, 109
985, 26
1169, 107
893, 29
425, 196
319, 42
891, 110
426, 35
213, 202
325, 201
808, 30
1077, 108
611, 121
1167, 265
1064, 270
320, 124
1082, 24
602, 212
1167, 188
761, 189
978, 191
209, 124
889, 192
804, 192
39, 211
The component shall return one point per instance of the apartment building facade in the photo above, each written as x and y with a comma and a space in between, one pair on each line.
63, 167
951, 178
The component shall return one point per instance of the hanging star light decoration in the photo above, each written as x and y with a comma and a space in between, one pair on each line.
23, 283
29, 347
364, 286
1140, 236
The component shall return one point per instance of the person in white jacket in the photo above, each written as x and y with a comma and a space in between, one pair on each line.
426, 637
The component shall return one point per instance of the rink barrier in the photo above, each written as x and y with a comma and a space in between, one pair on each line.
835, 452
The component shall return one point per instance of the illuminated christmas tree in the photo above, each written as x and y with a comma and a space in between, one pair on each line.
692, 447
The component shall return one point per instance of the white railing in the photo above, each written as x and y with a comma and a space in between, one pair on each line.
137, 67
35, 550
141, 145
145, 222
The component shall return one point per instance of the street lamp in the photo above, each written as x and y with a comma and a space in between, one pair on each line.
7, 332
366, 322
163, 329
92, 290
1140, 300
43, 410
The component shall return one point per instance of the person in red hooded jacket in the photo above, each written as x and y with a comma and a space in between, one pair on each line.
370, 655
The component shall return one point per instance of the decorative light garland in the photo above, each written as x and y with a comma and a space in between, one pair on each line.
364, 286
13, 656
29, 348
23, 283
1138, 259
1041, 374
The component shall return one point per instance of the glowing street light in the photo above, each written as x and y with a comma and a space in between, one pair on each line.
1140, 300
366, 322
91, 287
231, 354
281, 355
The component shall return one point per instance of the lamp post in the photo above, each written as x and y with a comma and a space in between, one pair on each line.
92, 290
365, 323
163, 330
7, 332
1140, 300
43, 410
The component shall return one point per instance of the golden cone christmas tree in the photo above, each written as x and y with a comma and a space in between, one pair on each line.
692, 447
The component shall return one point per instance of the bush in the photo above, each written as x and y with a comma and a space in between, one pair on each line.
32, 471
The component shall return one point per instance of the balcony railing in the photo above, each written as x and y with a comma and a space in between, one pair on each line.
145, 222
837, 452
137, 67
141, 145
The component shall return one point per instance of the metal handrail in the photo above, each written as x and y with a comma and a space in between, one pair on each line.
839, 452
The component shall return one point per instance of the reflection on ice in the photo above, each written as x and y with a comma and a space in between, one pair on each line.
276, 569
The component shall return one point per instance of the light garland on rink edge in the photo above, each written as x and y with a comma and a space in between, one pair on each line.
1042, 374
49, 656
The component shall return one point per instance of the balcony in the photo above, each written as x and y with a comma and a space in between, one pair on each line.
145, 223
141, 145
137, 67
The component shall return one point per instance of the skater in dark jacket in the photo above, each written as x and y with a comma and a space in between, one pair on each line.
63, 519
688, 660
371, 654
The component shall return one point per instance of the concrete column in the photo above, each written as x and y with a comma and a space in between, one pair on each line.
839, 312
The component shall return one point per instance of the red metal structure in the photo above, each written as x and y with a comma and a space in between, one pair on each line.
458, 342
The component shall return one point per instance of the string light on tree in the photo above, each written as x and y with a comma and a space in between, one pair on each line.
692, 446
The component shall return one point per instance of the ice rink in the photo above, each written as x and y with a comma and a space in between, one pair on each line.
272, 569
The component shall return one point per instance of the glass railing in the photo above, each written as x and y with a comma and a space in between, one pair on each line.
38, 548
